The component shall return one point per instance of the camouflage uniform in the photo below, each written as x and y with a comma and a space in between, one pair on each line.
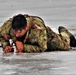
39, 38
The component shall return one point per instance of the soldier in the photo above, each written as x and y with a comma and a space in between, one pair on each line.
31, 35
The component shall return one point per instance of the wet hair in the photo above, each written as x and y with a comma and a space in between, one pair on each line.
19, 22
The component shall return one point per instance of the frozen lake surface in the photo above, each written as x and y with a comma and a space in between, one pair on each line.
54, 13
46, 63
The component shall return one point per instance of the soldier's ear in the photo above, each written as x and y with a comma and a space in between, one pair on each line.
27, 27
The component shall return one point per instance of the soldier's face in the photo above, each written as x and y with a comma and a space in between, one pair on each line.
20, 33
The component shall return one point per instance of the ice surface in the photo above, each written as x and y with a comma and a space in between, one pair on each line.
46, 63
54, 13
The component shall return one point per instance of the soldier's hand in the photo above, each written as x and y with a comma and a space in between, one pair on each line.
8, 49
19, 46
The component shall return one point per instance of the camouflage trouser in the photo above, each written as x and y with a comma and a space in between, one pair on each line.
56, 41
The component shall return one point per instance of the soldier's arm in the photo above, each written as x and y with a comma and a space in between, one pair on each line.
39, 37
38, 43
4, 32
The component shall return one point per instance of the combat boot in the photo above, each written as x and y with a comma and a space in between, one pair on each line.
68, 36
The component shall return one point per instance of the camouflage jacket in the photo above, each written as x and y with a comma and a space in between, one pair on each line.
35, 39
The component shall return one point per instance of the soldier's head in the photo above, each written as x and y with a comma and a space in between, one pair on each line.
19, 25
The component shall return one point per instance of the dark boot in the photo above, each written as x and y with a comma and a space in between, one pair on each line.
62, 29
